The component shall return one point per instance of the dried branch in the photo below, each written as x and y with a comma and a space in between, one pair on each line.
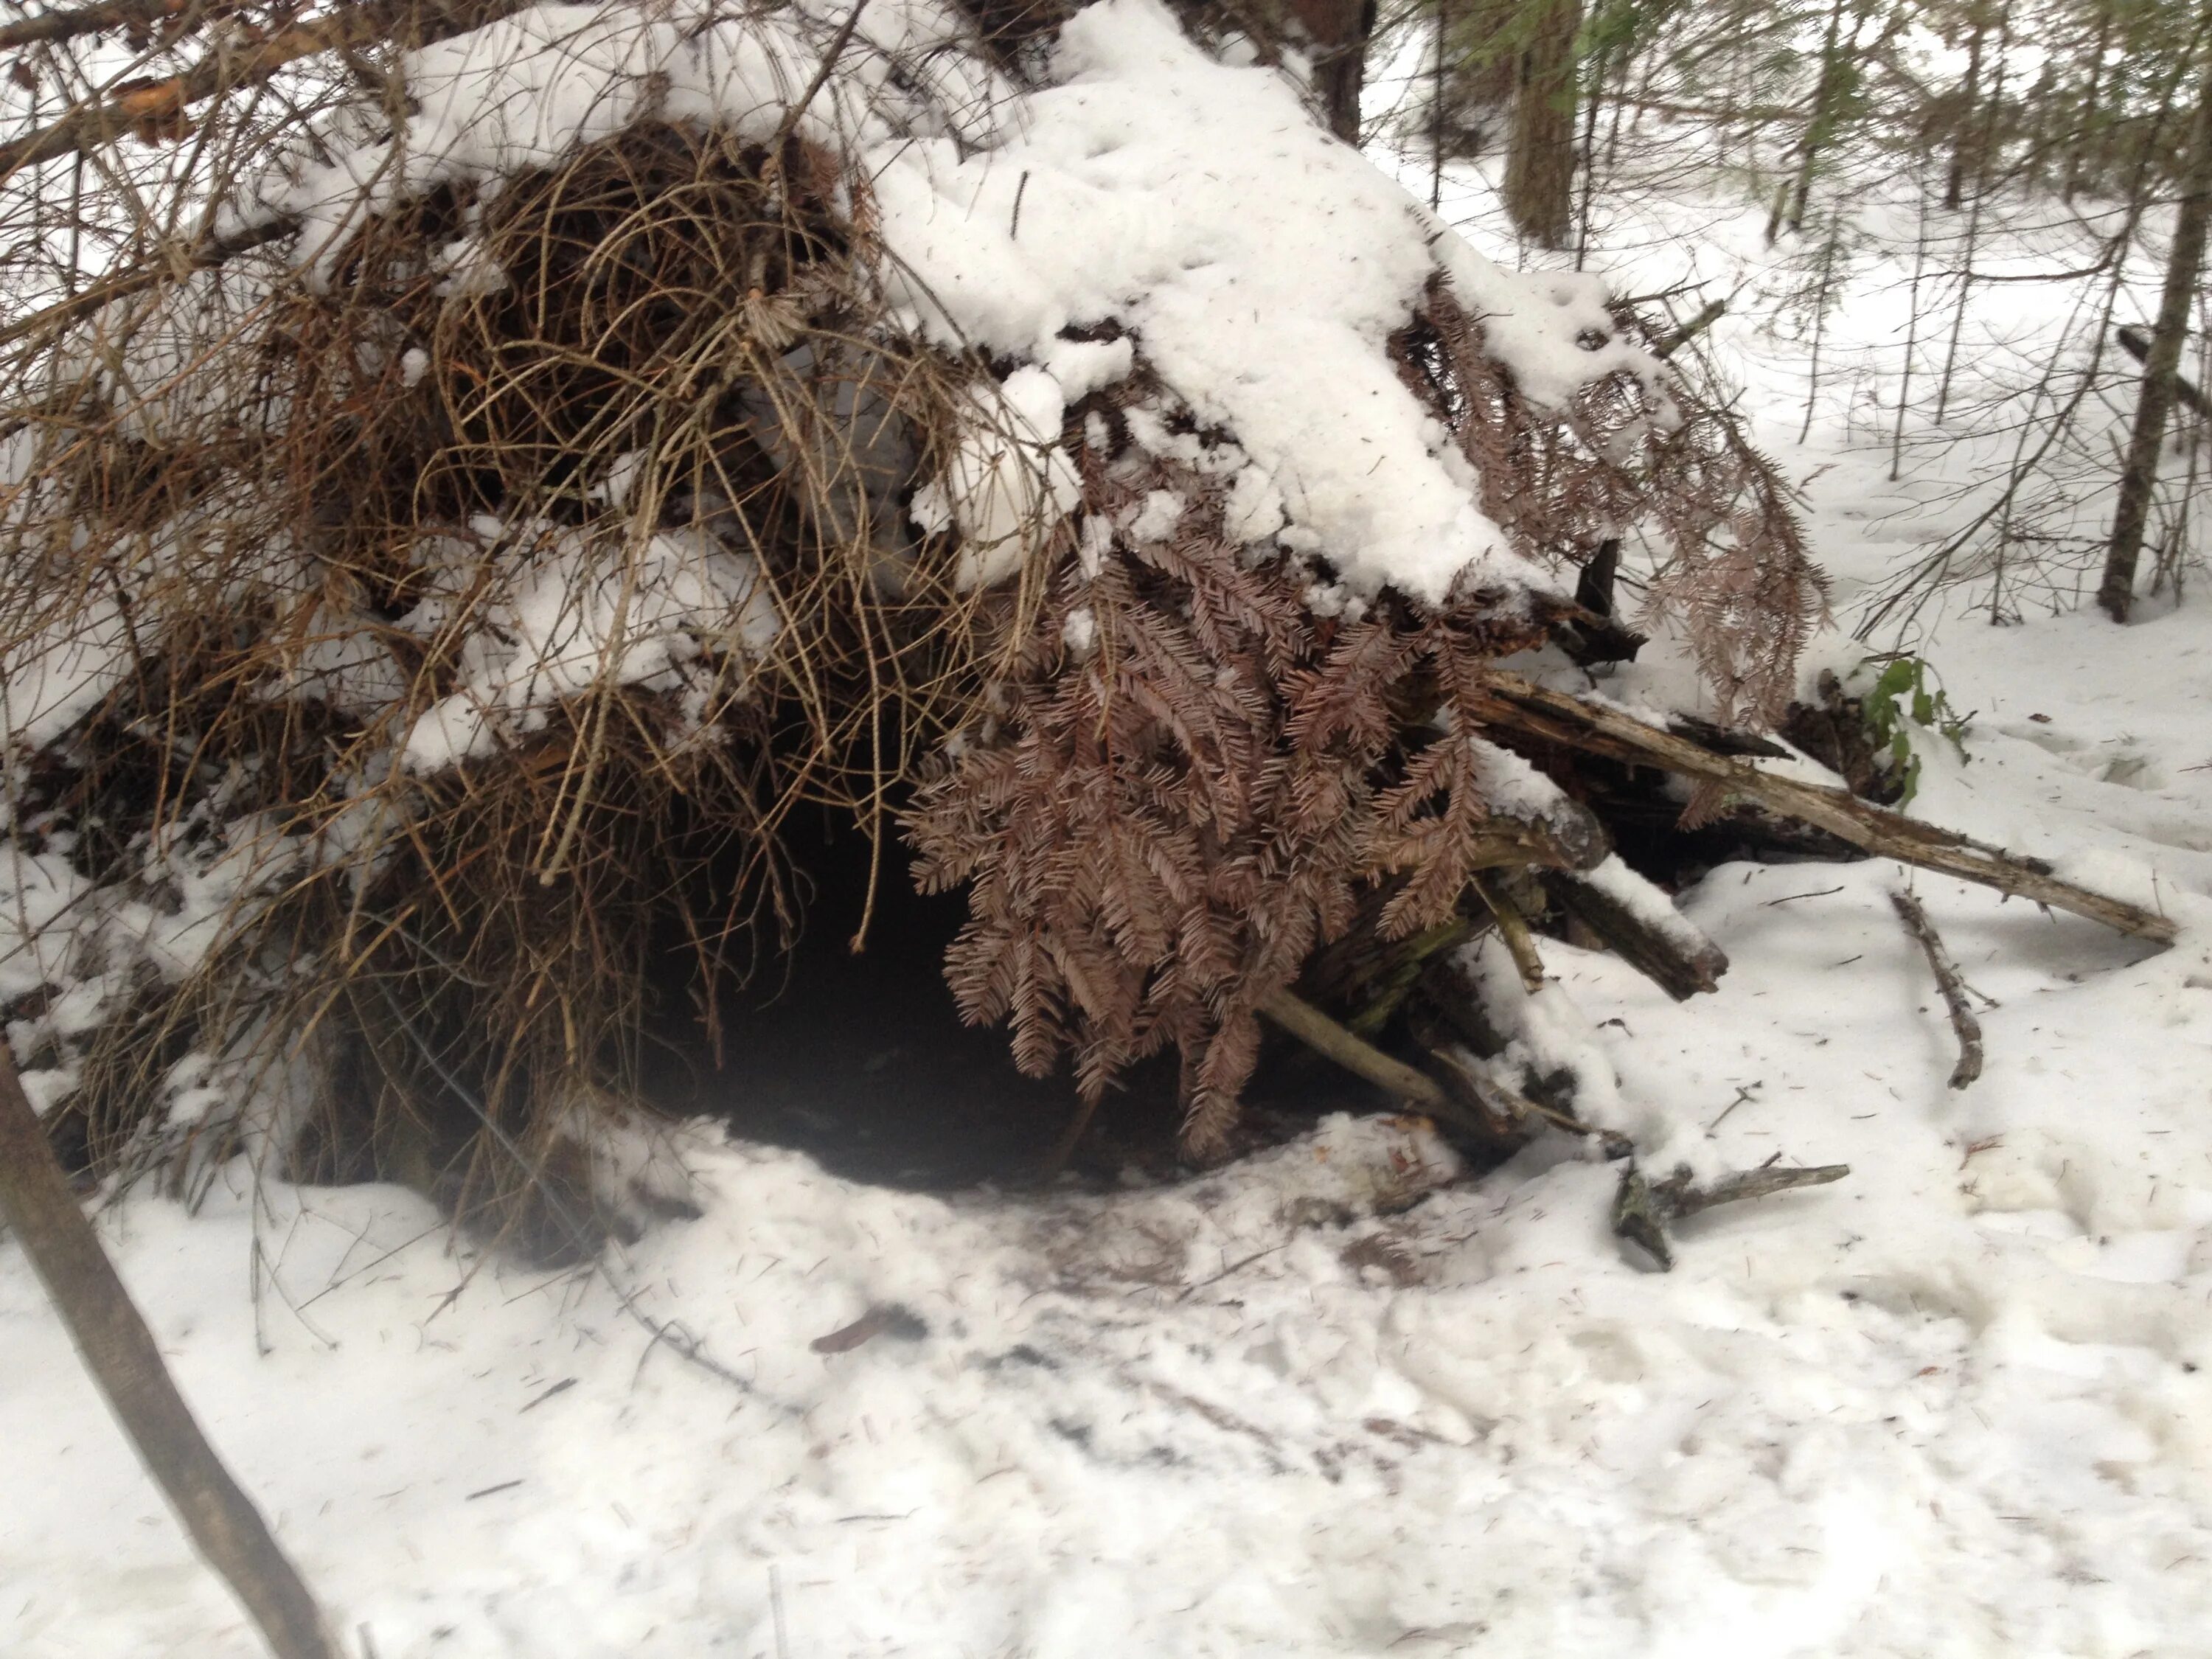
227, 69
1969, 1029
1516, 1110
1509, 703
1356, 1055
1513, 928
1641, 1210
73, 22
1669, 960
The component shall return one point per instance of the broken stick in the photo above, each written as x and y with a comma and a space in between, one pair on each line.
1641, 1209
1508, 703
1356, 1055
1963, 1023
1679, 961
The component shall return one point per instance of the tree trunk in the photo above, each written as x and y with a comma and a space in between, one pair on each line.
2185, 263
1338, 32
120, 1352
1818, 131
1540, 163
1962, 145
2084, 134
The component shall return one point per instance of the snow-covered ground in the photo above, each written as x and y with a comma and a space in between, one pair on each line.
1333, 1399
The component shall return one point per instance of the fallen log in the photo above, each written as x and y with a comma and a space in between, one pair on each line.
1509, 704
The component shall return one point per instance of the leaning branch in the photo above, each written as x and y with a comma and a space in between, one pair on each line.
2137, 343
73, 22
120, 1352
205, 255
1510, 703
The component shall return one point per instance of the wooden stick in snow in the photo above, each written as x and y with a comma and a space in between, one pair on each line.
117, 1348
1672, 963
1963, 1023
1510, 703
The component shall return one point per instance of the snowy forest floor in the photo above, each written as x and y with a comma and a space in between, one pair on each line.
1330, 1400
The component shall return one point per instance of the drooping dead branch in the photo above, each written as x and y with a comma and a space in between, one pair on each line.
1968, 1029
117, 1348
1509, 704
73, 22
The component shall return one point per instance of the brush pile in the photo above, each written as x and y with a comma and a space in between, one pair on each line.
511, 457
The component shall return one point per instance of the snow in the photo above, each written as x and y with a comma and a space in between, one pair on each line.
570, 617
1955, 1404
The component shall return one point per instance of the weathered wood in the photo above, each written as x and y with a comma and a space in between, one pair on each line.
117, 1348
1513, 929
1511, 703
1643, 1209
1660, 957
1964, 1025
1510, 1106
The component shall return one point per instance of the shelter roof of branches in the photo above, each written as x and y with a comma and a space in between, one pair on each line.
430, 585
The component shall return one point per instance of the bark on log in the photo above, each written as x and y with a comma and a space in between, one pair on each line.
117, 1348
1509, 703
1667, 961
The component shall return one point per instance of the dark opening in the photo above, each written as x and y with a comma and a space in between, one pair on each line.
861, 1059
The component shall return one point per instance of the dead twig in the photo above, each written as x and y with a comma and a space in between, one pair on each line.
162, 103
1963, 1023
